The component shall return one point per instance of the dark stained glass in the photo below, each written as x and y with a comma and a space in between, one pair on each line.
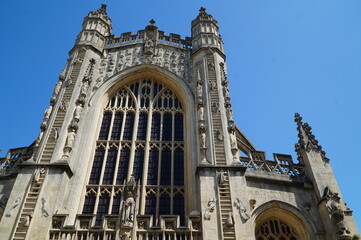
153, 167
128, 126
178, 167
123, 165
155, 130
165, 174
104, 130
117, 126
110, 166
142, 126
89, 203
103, 207
178, 127
138, 164
167, 127
97, 166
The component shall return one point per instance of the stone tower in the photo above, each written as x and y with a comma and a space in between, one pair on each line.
139, 142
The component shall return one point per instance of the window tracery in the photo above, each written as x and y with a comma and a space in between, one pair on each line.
142, 127
275, 229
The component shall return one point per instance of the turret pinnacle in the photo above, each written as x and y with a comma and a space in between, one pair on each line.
307, 140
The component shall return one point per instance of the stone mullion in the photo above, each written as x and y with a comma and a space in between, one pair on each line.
159, 164
134, 134
96, 200
110, 208
105, 156
147, 148
172, 164
116, 165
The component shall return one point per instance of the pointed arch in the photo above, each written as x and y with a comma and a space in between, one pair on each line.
280, 220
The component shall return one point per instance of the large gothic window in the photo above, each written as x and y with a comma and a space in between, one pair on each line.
141, 135
275, 229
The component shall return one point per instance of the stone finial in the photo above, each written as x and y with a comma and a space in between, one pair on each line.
307, 140
202, 10
103, 9
152, 21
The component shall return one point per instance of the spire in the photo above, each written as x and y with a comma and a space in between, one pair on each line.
307, 140
103, 9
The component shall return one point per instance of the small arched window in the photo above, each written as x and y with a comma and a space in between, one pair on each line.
275, 229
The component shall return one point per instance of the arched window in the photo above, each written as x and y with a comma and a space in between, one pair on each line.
275, 229
142, 133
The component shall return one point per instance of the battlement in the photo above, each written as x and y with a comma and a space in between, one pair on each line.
281, 164
84, 228
129, 38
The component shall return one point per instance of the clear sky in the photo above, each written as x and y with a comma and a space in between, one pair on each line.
283, 56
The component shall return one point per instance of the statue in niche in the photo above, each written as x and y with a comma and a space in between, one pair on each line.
202, 131
148, 47
199, 89
229, 220
70, 138
44, 207
46, 117
242, 209
64, 105
226, 93
84, 88
16, 203
336, 213
56, 90
129, 206
77, 112
211, 66
48, 112
129, 203
229, 112
215, 107
211, 205
219, 135
54, 133
200, 111
233, 138
221, 177
213, 85
40, 136
25, 222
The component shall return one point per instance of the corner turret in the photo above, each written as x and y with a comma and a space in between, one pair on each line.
205, 32
97, 26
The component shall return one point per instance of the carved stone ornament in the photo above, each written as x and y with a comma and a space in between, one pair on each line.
241, 209
14, 205
148, 47
64, 105
199, 88
336, 214
44, 207
211, 205
77, 112
200, 111
25, 222
220, 177
54, 134
215, 107
229, 220
219, 135
70, 138
128, 209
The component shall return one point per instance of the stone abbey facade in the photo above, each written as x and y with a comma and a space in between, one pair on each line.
139, 142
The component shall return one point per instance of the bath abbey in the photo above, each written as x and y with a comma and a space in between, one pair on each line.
139, 142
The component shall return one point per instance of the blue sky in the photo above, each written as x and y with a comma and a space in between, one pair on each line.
283, 57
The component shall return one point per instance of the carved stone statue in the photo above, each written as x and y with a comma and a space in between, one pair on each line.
210, 208
221, 178
215, 107
64, 105
219, 135
200, 112
25, 222
233, 138
13, 206
38, 140
70, 138
48, 112
77, 112
199, 89
242, 209
226, 93
44, 207
129, 206
148, 47
336, 214
213, 85
56, 90
54, 134
229, 220
84, 88
203, 140
229, 113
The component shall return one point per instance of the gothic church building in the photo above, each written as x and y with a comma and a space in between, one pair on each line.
139, 142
